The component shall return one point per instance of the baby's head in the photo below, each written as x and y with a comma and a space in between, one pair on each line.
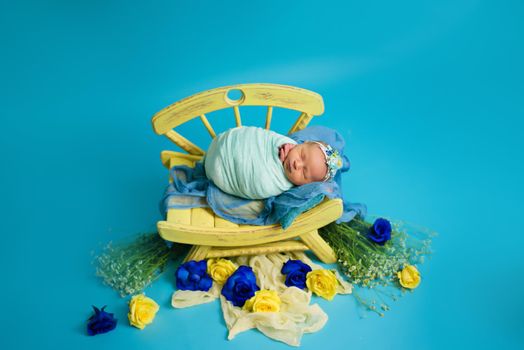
308, 162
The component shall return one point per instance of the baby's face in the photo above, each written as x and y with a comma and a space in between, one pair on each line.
303, 163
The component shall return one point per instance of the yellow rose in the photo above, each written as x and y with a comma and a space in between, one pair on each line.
220, 269
409, 277
263, 301
142, 311
323, 283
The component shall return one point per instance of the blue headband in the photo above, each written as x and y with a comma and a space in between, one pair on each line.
333, 160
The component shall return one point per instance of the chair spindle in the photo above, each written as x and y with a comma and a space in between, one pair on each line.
302, 121
237, 115
208, 126
269, 114
184, 143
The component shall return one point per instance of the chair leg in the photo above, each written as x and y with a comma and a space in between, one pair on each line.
197, 252
321, 249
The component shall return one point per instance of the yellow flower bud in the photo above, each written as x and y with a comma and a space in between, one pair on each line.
263, 301
220, 269
409, 277
323, 283
142, 311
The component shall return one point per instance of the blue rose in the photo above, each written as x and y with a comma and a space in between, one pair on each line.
296, 272
240, 286
192, 275
100, 322
380, 232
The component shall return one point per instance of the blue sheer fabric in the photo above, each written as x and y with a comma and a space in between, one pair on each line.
191, 188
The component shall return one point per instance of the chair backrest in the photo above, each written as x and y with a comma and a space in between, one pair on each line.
306, 102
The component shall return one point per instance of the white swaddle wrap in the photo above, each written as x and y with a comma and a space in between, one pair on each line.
244, 162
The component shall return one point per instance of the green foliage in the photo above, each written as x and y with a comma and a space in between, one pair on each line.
373, 266
130, 267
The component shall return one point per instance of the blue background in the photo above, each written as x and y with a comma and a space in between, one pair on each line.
429, 96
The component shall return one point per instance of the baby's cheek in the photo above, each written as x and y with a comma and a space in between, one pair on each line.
296, 180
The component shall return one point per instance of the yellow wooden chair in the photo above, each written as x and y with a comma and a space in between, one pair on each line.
211, 235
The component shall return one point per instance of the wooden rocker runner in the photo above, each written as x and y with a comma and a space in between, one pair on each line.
211, 235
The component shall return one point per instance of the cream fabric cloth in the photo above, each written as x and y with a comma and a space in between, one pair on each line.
296, 315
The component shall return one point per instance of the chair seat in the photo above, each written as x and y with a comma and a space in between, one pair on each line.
202, 226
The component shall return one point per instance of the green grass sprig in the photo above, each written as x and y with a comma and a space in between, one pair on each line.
130, 267
372, 266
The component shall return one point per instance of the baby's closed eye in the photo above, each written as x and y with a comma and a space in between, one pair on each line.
304, 167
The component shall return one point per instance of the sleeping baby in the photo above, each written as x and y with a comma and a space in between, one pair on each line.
255, 163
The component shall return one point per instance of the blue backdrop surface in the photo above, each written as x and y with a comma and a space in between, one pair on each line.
429, 96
